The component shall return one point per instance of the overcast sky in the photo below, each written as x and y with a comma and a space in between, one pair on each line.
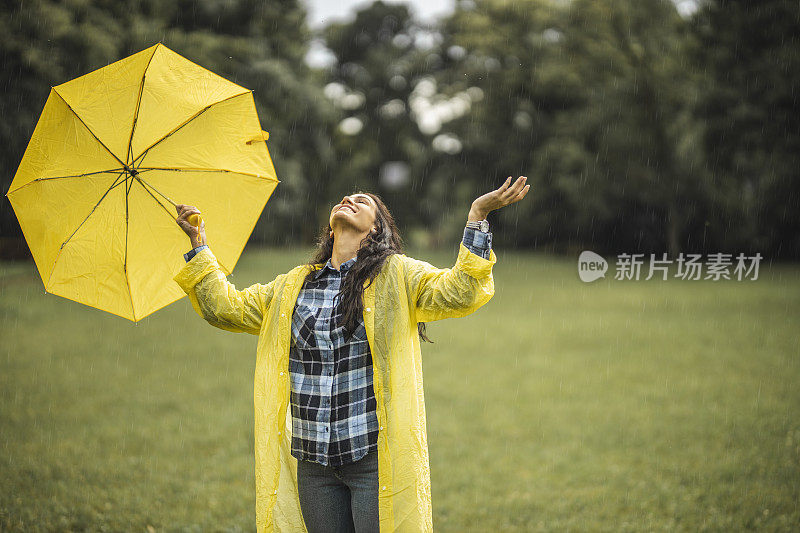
321, 12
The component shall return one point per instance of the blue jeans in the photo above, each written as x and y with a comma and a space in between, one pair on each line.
339, 499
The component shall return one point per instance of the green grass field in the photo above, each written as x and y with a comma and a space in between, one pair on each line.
559, 406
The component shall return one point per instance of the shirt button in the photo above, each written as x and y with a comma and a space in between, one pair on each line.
369, 309
276, 491
281, 373
381, 428
283, 314
382, 488
279, 432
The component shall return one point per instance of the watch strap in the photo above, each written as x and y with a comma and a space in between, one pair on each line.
480, 225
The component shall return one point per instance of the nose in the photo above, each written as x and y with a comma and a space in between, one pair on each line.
347, 200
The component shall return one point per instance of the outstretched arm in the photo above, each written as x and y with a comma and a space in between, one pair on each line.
212, 296
459, 291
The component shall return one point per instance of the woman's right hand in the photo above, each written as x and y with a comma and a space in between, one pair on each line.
196, 235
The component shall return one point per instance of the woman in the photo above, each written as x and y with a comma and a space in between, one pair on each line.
339, 342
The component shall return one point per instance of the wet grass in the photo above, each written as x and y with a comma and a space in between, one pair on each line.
560, 406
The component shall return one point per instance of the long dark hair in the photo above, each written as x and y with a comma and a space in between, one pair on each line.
372, 254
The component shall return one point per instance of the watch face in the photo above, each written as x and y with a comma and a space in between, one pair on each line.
484, 226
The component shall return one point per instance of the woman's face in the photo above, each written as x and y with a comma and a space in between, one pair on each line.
357, 211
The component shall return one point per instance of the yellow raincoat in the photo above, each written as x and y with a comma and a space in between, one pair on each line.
405, 292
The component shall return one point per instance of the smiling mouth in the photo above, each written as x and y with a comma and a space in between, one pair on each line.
347, 207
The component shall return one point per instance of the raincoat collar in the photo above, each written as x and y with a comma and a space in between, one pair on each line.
343, 268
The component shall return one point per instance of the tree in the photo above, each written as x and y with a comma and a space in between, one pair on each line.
509, 55
593, 100
378, 64
752, 117
644, 99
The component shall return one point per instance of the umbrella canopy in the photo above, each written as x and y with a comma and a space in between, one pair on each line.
112, 149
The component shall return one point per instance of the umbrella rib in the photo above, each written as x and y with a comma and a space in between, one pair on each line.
87, 128
206, 108
142, 182
113, 185
190, 169
111, 171
167, 198
129, 153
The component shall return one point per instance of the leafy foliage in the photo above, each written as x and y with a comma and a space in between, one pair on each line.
640, 129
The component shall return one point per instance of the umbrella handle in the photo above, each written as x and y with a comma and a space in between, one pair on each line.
195, 220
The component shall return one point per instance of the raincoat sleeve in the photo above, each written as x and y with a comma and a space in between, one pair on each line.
438, 293
218, 301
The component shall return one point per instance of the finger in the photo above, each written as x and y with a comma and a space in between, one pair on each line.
519, 184
505, 184
189, 210
514, 190
522, 193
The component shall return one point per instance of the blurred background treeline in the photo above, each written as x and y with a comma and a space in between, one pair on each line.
642, 127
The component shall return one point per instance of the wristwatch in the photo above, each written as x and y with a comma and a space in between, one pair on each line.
480, 225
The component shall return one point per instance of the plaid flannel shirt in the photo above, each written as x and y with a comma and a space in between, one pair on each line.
334, 420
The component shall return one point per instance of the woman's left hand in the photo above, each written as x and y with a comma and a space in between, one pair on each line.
505, 195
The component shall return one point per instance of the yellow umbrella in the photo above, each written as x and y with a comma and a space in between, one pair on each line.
111, 149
